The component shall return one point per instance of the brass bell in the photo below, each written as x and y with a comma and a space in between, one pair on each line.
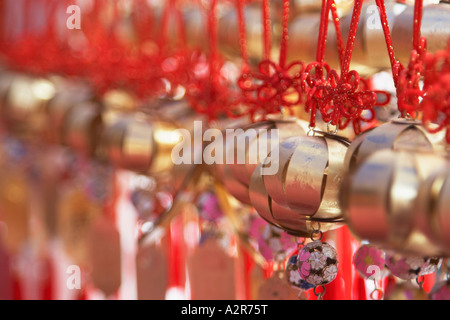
399, 134
136, 143
380, 196
82, 127
432, 211
303, 195
70, 94
312, 177
246, 148
23, 110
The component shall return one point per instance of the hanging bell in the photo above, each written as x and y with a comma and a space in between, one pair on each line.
139, 144
433, 209
82, 127
23, 110
305, 189
70, 94
399, 134
248, 147
380, 197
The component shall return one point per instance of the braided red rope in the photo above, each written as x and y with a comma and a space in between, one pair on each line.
433, 100
267, 27
406, 80
243, 35
209, 91
274, 85
340, 41
343, 99
435, 105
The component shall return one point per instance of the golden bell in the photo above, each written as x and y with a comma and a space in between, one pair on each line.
380, 196
312, 176
433, 209
245, 155
23, 111
6, 78
136, 143
303, 195
82, 128
399, 134
278, 215
57, 109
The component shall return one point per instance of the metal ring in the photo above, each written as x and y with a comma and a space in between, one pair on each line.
318, 226
311, 131
316, 232
319, 295
336, 129
381, 294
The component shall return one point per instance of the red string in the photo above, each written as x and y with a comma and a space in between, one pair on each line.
212, 32
243, 35
267, 30
388, 39
418, 9
407, 79
323, 31
436, 102
340, 41
343, 99
165, 23
182, 36
209, 91
284, 34
351, 39
142, 20
273, 85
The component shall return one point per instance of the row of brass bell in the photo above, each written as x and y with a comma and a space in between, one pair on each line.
385, 168
388, 185
394, 193
302, 195
65, 112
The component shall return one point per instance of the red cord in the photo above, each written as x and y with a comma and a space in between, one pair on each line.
212, 33
165, 23
323, 31
343, 99
284, 34
267, 30
243, 36
274, 85
418, 9
387, 36
337, 27
351, 39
